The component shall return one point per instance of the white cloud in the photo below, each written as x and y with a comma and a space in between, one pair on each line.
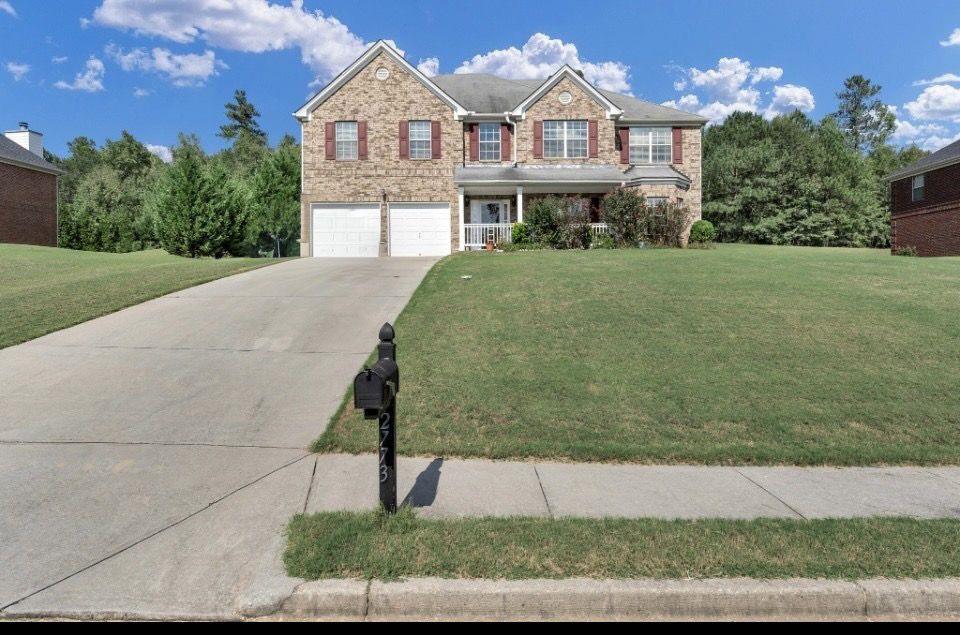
680, 85
766, 74
164, 152
687, 102
938, 102
724, 82
60, 59
936, 142
540, 57
189, 69
946, 78
18, 70
788, 98
429, 67
89, 80
907, 132
140, 93
953, 40
7, 8
252, 26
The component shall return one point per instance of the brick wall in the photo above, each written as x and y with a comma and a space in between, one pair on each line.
28, 206
931, 226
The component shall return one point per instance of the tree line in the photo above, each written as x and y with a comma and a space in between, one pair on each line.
794, 181
242, 201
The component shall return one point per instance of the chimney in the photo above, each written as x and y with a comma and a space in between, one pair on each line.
27, 139
580, 73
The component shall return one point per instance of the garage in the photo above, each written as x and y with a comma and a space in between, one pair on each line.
346, 230
419, 229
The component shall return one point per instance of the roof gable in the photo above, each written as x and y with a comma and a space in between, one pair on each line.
613, 111
362, 62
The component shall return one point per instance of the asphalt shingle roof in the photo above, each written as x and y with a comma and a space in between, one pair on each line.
943, 155
542, 174
491, 94
11, 152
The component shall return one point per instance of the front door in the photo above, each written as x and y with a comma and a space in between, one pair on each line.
489, 212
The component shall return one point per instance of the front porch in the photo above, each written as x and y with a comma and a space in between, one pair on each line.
477, 235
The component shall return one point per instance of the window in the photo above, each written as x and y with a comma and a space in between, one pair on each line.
346, 137
656, 201
420, 140
651, 145
918, 184
565, 139
490, 142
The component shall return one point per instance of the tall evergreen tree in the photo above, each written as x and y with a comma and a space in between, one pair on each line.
863, 117
242, 120
275, 198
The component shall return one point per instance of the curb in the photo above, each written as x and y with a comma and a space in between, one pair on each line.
728, 598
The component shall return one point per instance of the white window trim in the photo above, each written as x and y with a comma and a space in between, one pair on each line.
355, 141
481, 142
919, 182
649, 144
429, 139
567, 139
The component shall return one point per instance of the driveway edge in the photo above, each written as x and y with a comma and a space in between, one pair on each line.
728, 598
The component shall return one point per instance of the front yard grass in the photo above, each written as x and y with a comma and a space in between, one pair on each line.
43, 289
736, 355
374, 546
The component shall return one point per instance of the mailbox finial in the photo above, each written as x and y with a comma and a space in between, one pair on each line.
386, 333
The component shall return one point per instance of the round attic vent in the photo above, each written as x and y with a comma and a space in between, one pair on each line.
382, 73
565, 98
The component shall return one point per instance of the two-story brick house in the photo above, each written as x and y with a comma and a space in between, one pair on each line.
397, 163
925, 204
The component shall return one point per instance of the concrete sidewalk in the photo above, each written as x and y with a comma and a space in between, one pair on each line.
452, 488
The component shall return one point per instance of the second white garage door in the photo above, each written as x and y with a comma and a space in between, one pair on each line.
419, 229
343, 230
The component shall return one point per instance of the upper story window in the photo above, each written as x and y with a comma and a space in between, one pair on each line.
490, 142
565, 139
917, 188
651, 145
346, 136
420, 140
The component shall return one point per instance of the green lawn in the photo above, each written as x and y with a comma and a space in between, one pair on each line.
741, 354
370, 545
44, 289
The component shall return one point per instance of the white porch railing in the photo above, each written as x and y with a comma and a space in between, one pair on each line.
477, 234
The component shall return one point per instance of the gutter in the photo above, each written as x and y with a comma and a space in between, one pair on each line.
36, 168
930, 167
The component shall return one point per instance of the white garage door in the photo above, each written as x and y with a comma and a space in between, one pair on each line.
419, 229
346, 230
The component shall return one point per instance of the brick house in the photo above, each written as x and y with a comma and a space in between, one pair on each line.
397, 163
925, 204
28, 190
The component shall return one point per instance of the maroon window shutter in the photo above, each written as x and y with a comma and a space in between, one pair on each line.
537, 139
362, 140
435, 140
506, 148
404, 139
594, 144
329, 138
474, 142
624, 145
678, 145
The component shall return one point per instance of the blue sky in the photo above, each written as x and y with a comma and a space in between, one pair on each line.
158, 67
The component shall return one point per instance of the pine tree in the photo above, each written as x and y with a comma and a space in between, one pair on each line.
242, 120
865, 119
275, 197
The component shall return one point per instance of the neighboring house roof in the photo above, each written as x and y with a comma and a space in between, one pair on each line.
941, 158
539, 174
651, 174
13, 154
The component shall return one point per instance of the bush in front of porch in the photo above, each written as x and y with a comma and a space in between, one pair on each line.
631, 221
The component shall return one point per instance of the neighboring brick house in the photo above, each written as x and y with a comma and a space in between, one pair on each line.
397, 163
28, 190
925, 204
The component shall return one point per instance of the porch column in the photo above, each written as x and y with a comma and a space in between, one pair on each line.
463, 230
519, 203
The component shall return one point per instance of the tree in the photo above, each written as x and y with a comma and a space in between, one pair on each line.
865, 119
128, 157
242, 120
275, 198
198, 209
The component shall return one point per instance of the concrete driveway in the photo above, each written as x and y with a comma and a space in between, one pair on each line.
150, 459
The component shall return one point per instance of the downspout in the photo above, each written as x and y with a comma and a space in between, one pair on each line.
512, 123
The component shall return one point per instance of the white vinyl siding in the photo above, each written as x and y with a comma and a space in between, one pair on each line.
918, 184
565, 139
420, 140
346, 137
489, 142
651, 145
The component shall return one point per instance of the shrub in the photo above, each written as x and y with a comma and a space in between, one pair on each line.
603, 241
702, 232
520, 234
623, 212
574, 230
909, 251
543, 219
665, 224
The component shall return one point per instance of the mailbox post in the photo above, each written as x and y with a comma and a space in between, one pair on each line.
375, 392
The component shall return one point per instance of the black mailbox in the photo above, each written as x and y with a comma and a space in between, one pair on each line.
375, 388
